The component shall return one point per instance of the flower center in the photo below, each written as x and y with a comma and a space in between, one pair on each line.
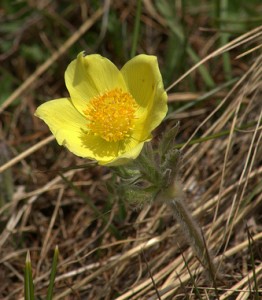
111, 115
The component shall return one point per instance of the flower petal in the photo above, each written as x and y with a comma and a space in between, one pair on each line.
90, 75
144, 82
111, 153
66, 126
69, 128
132, 150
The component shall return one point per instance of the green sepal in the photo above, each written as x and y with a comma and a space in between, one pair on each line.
170, 166
147, 164
138, 196
168, 142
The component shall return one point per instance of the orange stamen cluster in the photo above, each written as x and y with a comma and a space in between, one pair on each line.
111, 115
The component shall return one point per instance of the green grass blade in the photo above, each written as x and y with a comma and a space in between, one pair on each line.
90, 203
137, 28
29, 285
52, 275
6, 179
197, 291
251, 252
169, 13
204, 97
88, 200
224, 38
216, 135
202, 69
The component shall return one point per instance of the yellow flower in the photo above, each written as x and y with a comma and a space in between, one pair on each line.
110, 113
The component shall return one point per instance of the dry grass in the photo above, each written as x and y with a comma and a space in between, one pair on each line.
131, 253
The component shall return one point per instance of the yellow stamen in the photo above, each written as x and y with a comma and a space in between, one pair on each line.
111, 115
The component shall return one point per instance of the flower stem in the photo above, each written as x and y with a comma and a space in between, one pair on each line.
194, 236
190, 228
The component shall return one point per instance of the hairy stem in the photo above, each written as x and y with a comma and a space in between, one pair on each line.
190, 228
193, 235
